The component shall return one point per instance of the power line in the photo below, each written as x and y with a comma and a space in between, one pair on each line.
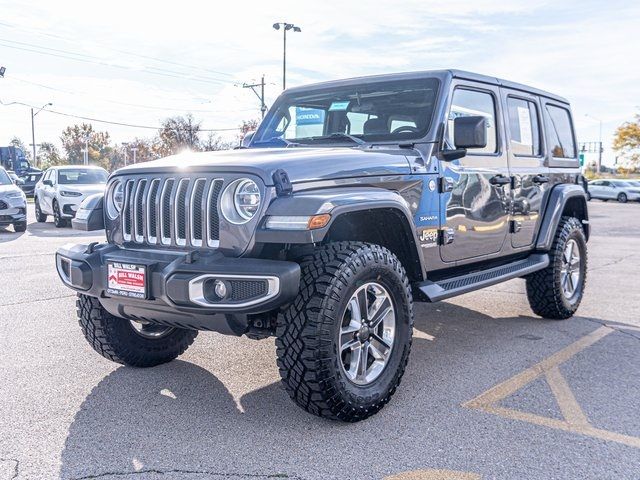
110, 122
116, 102
124, 52
93, 60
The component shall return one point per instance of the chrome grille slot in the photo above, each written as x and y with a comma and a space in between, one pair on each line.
197, 207
152, 211
180, 215
172, 211
138, 211
213, 218
165, 207
126, 210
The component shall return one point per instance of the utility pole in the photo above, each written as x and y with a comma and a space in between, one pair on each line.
286, 26
33, 130
134, 150
86, 150
263, 107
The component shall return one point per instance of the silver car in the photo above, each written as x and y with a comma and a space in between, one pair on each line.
13, 203
61, 190
611, 189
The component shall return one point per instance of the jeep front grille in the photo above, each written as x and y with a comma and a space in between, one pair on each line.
172, 211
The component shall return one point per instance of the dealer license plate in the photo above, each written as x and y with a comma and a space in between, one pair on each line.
127, 280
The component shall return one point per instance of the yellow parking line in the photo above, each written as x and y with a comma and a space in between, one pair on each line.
574, 418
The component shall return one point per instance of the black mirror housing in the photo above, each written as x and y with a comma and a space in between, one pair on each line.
47, 182
90, 215
470, 132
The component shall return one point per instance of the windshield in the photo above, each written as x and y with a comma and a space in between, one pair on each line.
397, 110
81, 176
4, 178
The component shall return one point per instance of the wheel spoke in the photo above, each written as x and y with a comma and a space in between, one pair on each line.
379, 347
356, 312
381, 313
362, 362
361, 300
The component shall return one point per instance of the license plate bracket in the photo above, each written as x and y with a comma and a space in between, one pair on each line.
127, 280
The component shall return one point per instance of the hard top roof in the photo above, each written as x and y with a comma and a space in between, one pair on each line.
441, 74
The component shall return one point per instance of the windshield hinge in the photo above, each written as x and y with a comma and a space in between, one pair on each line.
282, 183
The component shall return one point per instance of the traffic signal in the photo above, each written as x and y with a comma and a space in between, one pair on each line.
581, 157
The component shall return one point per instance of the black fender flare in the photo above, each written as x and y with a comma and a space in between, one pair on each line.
336, 202
557, 200
90, 214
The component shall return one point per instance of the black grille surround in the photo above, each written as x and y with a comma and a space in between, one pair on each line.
171, 211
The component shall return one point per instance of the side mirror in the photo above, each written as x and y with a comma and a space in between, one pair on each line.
470, 132
18, 181
47, 182
246, 141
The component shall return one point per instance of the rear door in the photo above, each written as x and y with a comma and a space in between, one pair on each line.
530, 176
475, 197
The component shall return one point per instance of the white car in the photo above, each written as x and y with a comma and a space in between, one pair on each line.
13, 203
62, 189
620, 190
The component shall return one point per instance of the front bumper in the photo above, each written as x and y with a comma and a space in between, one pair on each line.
70, 205
179, 285
13, 214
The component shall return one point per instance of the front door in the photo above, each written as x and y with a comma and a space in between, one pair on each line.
526, 164
475, 196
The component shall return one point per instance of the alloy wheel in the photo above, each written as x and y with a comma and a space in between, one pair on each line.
571, 269
367, 333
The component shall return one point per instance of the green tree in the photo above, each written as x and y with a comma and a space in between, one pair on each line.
626, 141
177, 133
73, 142
49, 156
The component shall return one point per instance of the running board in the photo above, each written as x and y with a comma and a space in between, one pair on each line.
451, 287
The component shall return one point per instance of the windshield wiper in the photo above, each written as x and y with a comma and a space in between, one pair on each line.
357, 140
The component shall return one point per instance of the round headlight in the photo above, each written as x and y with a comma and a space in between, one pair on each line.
240, 201
115, 199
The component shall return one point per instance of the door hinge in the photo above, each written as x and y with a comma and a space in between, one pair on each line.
446, 184
446, 236
515, 226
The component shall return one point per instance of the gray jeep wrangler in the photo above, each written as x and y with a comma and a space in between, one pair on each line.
352, 200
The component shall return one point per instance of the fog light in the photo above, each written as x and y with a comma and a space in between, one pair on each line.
220, 288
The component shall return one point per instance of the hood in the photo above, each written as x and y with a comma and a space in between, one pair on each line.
84, 189
302, 164
9, 189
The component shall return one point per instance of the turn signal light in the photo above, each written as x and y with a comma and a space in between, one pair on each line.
319, 221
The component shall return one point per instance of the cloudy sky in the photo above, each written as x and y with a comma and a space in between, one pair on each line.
136, 62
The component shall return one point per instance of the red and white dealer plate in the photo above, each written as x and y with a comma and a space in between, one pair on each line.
126, 280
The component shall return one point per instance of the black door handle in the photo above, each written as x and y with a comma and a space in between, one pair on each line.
540, 179
499, 180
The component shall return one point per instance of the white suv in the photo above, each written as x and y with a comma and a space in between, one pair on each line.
61, 190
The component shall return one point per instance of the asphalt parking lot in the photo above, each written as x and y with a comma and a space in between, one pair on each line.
490, 392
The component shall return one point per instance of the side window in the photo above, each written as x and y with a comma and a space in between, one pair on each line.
523, 127
470, 103
559, 132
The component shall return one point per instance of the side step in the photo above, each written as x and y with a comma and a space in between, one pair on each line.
451, 287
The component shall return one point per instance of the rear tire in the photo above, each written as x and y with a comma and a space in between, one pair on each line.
318, 334
556, 292
40, 217
622, 198
117, 340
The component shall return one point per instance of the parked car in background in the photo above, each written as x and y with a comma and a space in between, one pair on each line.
29, 182
13, 203
611, 189
62, 189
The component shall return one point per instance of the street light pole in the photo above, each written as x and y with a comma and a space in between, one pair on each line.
285, 26
134, 150
599, 167
33, 130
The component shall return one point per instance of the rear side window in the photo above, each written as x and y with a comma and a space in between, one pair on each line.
523, 127
471, 103
559, 132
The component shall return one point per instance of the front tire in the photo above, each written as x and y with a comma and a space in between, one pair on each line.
57, 216
20, 227
117, 339
343, 343
40, 217
556, 291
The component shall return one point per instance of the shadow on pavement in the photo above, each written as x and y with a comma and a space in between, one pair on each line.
179, 420
8, 235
